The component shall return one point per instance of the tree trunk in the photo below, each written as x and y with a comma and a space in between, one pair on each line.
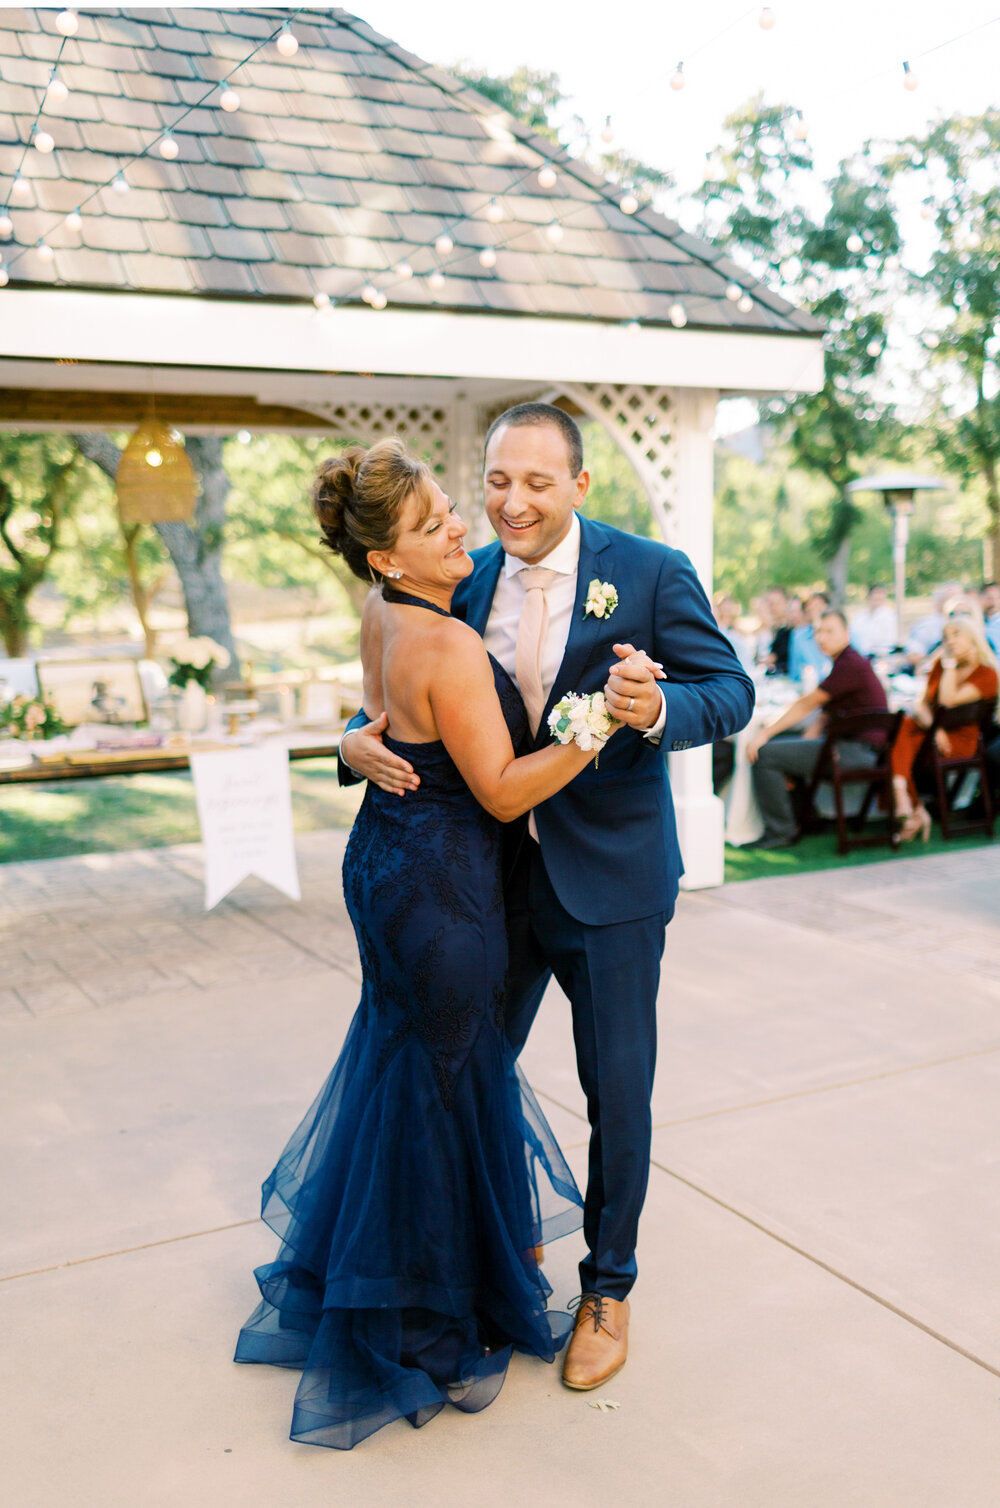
840, 566
991, 544
196, 548
13, 629
196, 551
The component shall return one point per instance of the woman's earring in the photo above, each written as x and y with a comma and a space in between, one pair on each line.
396, 575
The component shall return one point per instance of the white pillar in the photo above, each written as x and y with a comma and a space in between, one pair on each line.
700, 815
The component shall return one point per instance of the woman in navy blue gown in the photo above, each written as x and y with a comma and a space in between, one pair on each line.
412, 1197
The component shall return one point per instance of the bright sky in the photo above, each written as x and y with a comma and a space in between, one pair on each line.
839, 61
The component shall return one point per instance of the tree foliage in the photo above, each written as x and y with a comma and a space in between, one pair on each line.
957, 165
37, 492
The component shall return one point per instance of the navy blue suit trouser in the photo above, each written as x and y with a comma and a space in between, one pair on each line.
610, 976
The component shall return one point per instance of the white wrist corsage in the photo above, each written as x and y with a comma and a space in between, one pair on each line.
583, 719
602, 599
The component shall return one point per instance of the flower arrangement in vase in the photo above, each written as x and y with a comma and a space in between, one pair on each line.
194, 660
31, 717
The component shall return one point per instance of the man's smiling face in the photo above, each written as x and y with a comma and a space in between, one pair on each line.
530, 491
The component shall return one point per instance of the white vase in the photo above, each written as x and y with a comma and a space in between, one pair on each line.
192, 711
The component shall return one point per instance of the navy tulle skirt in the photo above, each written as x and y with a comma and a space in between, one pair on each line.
410, 1200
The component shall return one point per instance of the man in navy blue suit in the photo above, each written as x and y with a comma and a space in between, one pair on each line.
594, 874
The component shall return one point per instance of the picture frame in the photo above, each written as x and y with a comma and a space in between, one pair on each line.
105, 692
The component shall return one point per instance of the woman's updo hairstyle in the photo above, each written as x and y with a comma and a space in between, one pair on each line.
359, 495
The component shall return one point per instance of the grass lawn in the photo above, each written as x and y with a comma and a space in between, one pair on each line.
819, 851
115, 812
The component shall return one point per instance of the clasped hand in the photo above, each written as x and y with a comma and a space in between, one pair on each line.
631, 692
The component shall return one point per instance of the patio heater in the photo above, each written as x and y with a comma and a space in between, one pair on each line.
898, 489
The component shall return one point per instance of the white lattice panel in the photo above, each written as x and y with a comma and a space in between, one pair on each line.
640, 420
424, 426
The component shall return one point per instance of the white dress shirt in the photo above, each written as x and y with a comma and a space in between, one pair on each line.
500, 634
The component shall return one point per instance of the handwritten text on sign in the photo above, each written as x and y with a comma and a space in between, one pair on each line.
245, 809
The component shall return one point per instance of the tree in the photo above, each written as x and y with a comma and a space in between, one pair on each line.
195, 548
843, 257
958, 165
36, 491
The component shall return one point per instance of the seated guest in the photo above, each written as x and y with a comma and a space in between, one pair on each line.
873, 627
852, 686
803, 649
727, 612
989, 600
964, 669
925, 635
781, 632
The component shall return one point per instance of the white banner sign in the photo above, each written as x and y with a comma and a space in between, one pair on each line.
245, 809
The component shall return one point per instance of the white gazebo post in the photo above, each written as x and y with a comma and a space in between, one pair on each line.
700, 813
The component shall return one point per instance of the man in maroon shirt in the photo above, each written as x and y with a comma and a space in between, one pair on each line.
852, 686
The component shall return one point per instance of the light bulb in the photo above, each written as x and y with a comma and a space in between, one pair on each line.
494, 212
810, 287
74, 220
169, 148
153, 458
120, 185
554, 232
379, 301
678, 316
287, 43
927, 212
910, 80
487, 257
45, 252
632, 326
404, 270
436, 279
44, 142
321, 300
931, 340
229, 100
855, 245
244, 436
677, 79
608, 132
734, 291
368, 292
443, 245
20, 189
56, 93
801, 129
67, 23
6, 227
547, 178
629, 204
892, 263
4, 277
745, 303
766, 19
874, 348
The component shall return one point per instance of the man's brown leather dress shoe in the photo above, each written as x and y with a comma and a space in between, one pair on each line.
598, 1347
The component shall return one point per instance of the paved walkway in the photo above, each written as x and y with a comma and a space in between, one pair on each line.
816, 1323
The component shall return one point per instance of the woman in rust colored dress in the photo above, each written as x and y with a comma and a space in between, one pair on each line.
964, 669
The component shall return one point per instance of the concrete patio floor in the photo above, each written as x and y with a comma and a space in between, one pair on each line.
815, 1323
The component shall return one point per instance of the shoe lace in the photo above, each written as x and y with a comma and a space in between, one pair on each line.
595, 1303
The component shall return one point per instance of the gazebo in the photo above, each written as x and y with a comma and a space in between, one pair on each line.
338, 236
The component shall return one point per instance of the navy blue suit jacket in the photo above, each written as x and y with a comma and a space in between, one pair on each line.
609, 837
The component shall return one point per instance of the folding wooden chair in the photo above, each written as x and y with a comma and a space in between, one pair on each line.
831, 768
950, 773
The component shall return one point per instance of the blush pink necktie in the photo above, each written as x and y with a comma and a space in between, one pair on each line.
530, 637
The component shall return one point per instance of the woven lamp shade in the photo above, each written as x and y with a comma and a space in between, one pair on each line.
156, 482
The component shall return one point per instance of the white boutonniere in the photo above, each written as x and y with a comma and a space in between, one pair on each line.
602, 599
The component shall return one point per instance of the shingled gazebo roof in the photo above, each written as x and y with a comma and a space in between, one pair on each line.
340, 163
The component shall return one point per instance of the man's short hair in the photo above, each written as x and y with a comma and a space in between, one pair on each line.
823, 597
877, 586
525, 414
834, 612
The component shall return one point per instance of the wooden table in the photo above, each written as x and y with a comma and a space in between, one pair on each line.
322, 745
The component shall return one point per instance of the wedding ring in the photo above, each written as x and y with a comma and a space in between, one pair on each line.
631, 704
